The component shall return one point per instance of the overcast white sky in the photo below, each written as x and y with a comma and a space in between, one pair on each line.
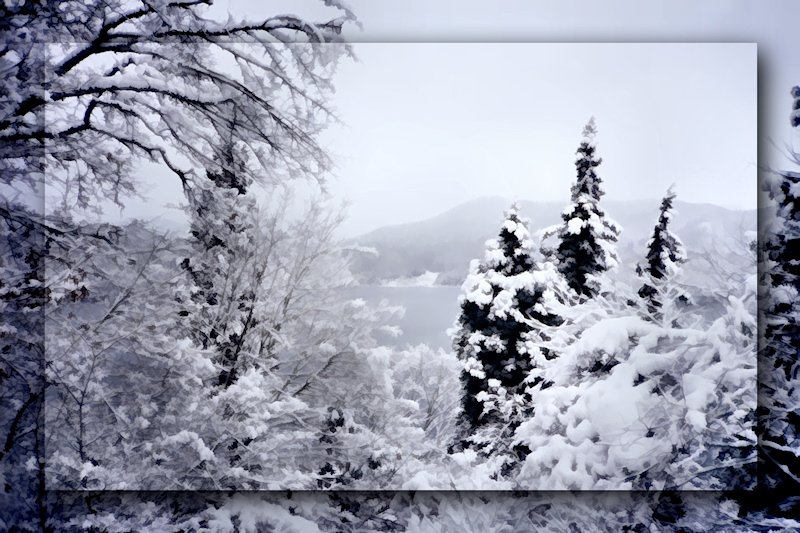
432, 125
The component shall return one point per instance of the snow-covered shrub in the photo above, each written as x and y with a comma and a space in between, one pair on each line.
779, 421
120, 375
635, 406
428, 381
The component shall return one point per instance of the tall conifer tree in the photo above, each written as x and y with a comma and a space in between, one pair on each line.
586, 236
222, 301
779, 403
664, 255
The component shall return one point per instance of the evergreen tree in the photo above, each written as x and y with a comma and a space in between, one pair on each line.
779, 404
664, 255
499, 335
782, 331
221, 295
586, 236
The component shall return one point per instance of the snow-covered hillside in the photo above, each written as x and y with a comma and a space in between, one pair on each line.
446, 243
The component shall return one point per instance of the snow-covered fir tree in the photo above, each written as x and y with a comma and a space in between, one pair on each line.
665, 253
501, 336
221, 292
779, 418
586, 238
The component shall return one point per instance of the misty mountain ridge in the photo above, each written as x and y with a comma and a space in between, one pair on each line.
445, 244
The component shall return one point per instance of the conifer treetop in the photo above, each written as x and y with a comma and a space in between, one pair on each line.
665, 252
590, 130
587, 186
510, 253
587, 235
664, 247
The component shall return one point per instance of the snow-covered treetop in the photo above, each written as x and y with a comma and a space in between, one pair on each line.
510, 253
516, 226
671, 194
587, 186
587, 235
664, 249
589, 131
665, 253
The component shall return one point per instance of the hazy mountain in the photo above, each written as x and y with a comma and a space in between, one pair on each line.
447, 242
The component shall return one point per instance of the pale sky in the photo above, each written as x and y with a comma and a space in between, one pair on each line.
429, 126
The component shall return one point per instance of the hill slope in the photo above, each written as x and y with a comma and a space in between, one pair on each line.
447, 242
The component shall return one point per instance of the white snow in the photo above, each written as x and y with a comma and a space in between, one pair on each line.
428, 279
696, 419
575, 225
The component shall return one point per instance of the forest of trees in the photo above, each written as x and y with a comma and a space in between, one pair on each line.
584, 383
138, 362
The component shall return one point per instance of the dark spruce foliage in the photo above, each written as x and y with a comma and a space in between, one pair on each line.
580, 252
664, 252
497, 340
